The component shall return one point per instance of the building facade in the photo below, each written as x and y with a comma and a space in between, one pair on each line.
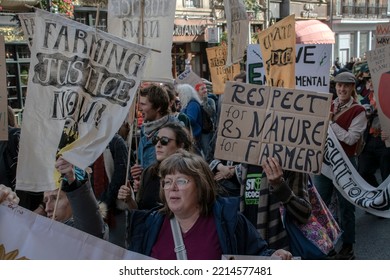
200, 24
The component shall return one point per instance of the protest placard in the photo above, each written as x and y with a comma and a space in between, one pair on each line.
27, 23
151, 24
382, 34
379, 64
311, 67
220, 74
82, 84
188, 77
257, 122
277, 45
237, 23
26, 235
3, 93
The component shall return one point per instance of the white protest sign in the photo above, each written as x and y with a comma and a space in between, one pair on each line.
26, 235
237, 23
28, 26
311, 67
188, 77
129, 19
379, 64
382, 35
81, 85
257, 122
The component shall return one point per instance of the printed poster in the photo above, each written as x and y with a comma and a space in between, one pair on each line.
81, 85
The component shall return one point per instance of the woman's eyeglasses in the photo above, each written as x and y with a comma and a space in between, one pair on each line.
163, 140
181, 183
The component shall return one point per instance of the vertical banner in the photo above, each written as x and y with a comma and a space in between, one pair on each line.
3, 93
28, 25
311, 67
379, 65
258, 122
82, 84
277, 45
382, 35
238, 30
149, 23
216, 57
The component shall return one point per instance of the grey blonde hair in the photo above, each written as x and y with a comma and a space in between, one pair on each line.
186, 92
196, 167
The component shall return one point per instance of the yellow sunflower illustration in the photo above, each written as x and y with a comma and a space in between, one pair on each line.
10, 255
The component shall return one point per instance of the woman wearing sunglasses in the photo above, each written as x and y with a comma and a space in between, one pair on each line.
167, 141
208, 225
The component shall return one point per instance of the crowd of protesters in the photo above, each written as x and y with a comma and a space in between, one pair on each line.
175, 186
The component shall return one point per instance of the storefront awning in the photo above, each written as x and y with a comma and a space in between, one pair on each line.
313, 32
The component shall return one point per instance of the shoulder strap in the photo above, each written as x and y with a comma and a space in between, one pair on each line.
335, 117
180, 248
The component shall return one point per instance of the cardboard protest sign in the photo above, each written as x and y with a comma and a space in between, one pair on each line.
238, 30
129, 19
82, 84
257, 122
188, 77
28, 25
216, 57
3, 93
382, 35
277, 45
379, 65
311, 67
30, 236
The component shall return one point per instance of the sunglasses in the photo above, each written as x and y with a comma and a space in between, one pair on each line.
163, 140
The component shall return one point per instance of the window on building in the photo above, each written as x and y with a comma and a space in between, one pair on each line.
192, 3
388, 7
364, 37
338, 8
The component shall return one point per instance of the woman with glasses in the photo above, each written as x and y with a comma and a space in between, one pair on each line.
208, 225
167, 141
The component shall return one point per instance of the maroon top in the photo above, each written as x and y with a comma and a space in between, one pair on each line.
201, 241
345, 120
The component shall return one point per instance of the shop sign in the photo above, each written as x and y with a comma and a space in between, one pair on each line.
188, 30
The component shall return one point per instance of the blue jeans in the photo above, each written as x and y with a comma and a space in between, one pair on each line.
325, 188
